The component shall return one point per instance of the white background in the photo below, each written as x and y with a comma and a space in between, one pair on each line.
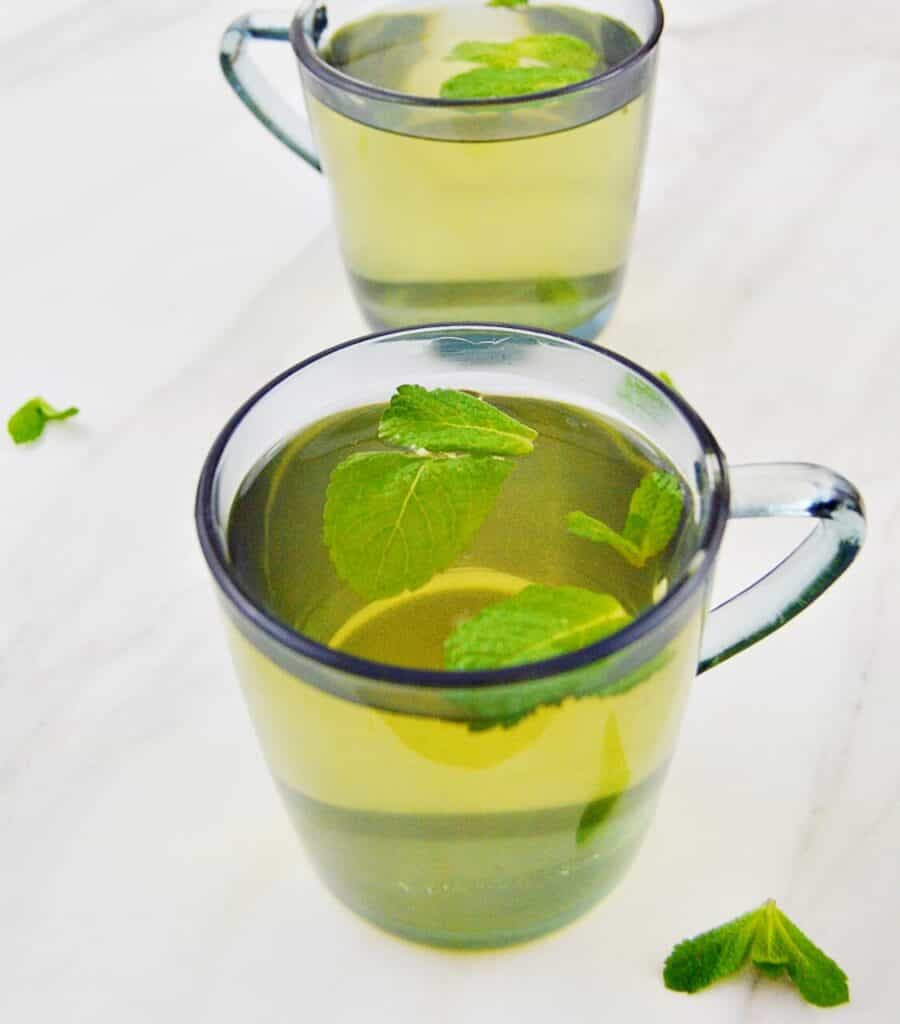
161, 258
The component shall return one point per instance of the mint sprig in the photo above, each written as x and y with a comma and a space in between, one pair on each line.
394, 519
28, 421
555, 59
772, 942
654, 513
537, 623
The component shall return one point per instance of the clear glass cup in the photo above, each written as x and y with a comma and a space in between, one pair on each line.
517, 210
482, 808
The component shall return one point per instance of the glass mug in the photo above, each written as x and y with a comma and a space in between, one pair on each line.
515, 210
482, 808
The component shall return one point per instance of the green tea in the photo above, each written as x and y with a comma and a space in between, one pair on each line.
428, 825
521, 215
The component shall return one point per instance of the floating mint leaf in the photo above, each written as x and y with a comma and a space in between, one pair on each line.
557, 50
27, 422
654, 513
493, 55
451, 421
583, 525
563, 60
488, 83
393, 520
539, 622
772, 942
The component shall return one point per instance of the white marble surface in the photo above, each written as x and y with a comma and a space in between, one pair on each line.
162, 257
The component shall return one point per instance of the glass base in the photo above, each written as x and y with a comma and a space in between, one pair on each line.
580, 307
475, 881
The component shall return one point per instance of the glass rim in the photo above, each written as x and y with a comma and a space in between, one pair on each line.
311, 59
249, 608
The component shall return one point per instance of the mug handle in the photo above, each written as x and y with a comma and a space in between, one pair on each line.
785, 489
260, 98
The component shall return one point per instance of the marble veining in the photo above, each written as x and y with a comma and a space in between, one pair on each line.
162, 258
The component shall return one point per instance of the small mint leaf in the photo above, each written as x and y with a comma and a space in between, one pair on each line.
563, 60
583, 525
493, 55
696, 963
539, 622
451, 421
654, 513
394, 520
557, 50
780, 945
28, 421
491, 83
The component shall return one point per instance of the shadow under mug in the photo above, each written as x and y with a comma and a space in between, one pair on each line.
482, 808
513, 210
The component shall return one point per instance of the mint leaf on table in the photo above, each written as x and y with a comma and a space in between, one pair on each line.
451, 421
654, 513
393, 520
27, 422
539, 622
773, 943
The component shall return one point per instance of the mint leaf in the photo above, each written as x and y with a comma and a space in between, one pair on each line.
557, 50
487, 83
506, 3
494, 55
696, 963
780, 944
565, 60
539, 622
583, 525
27, 422
451, 421
654, 513
772, 942
393, 520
